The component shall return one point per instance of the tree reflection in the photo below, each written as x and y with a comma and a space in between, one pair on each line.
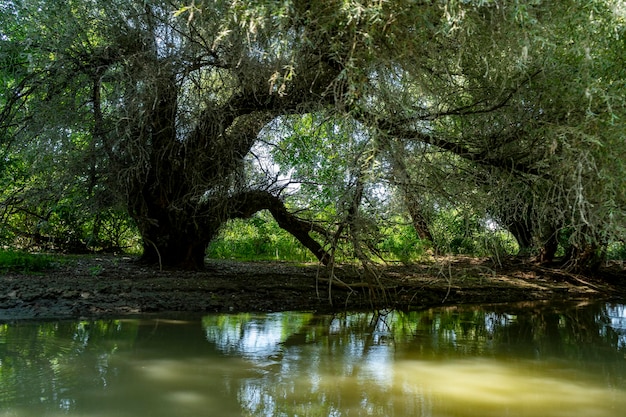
327, 365
524, 360
50, 359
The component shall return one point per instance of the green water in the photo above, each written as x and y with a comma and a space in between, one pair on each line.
506, 360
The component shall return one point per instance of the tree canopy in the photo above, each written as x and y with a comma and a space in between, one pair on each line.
332, 115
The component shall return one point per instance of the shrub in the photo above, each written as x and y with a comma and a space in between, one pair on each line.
19, 261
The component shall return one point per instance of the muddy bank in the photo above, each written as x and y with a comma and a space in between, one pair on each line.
99, 286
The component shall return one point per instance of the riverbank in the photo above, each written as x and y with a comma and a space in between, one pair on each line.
114, 286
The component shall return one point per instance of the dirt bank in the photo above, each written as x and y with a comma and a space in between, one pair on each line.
97, 286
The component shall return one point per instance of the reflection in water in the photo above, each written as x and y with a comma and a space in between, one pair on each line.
531, 360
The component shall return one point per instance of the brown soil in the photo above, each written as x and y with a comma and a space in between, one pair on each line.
98, 286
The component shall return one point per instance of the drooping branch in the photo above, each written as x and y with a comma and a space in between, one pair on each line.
412, 128
245, 204
480, 106
402, 179
482, 157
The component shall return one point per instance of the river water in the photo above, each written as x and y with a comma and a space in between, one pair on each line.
500, 360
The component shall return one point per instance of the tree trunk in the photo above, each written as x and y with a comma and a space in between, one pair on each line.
549, 247
171, 238
174, 249
179, 239
417, 217
403, 181
523, 234
584, 259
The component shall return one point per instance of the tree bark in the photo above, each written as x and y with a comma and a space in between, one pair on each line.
245, 204
587, 256
549, 247
584, 259
417, 218
522, 233
403, 181
179, 240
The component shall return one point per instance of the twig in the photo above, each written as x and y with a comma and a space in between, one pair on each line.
157, 251
449, 279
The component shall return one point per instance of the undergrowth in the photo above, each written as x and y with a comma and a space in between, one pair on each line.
25, 262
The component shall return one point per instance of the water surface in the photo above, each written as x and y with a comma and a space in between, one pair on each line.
507, 360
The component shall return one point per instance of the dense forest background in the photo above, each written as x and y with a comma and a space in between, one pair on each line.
325, 131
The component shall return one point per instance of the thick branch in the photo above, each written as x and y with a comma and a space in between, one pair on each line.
479, 107
400, 172
507, 164
245, 204
401, 127
479, 157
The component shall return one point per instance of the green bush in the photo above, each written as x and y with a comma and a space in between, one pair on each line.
400, 243
461, 234
616, 251
259, 238
18, 261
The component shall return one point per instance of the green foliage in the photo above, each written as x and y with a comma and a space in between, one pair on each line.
460, 111
399, 242
616, 251
259, 238
457, 233
24, 262
319, 154
68, 225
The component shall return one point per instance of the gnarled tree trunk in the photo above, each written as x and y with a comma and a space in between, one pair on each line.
549, 246
181, 155
180, 240
523, 235
402, 180
586, 255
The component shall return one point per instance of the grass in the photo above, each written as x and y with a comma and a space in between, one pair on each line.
26, 262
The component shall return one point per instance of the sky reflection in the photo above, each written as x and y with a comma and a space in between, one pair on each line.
452, 363
617, 315
524, 360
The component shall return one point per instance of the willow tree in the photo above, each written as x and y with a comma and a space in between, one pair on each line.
523, 107
173, 100
198, 86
